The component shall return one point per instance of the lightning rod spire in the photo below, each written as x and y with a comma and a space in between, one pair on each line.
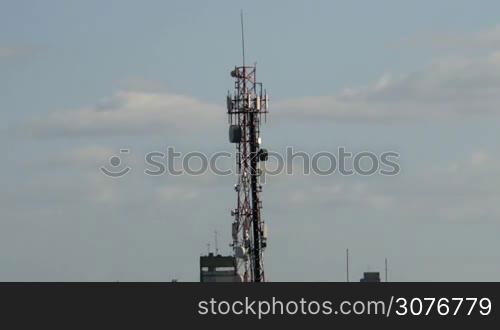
242, 37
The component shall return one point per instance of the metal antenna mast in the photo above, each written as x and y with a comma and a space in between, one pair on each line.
386, 276
242, 38
245, 107
347, 264
216, 244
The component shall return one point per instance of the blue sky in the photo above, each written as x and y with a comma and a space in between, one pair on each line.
82, 79
84, 47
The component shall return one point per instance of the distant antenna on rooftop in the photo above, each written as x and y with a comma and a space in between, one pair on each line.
386, 276
216, 245
347, 264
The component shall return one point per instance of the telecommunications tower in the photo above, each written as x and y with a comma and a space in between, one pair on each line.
247, 105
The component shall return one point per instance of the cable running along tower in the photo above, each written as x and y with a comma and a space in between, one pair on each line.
247, 105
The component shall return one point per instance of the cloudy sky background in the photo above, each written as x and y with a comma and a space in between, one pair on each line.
80, 80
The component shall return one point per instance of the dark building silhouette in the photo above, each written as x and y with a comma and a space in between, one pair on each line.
217, 268
371, 277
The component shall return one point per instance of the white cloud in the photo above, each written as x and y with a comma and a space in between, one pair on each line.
350, 194
451, 87
14, 51
464, 191
484, 39
479, 158
178, 193
130, 113
447, 88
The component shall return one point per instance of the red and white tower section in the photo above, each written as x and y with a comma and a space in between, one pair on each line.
247, 106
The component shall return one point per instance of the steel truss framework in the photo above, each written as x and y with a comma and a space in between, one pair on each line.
247, 105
